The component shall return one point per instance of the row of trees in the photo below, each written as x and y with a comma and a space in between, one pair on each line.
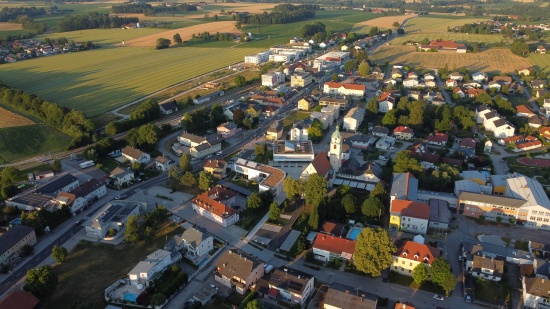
147, 111
439, 273
206, 36
12, 13
281, 14
202, 119
71, 122
93, 20
144, 227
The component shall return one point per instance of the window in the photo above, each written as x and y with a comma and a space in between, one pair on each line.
403, 263
532, 218
411, 264
410, 271
534, 212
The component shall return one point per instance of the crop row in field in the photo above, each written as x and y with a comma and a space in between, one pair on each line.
10, 119
541, 62
101, 80
458, 37
437, 24
31, 140
492, 60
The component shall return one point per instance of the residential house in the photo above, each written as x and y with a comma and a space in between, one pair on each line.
546, 108
301, 79
403, 132
273, 79
328, 115
227, 130
299, 131
437, 139
545, 132
83, 195
168, 107
134, 155
348, 298
495, 85
524, 111
359, 176
163, 163
473, 92
471, 84
62, 183
149, 269
440, 215
541, 49
386, 103
113, 215
341, 103
535, 292
215, 167
410, 83
333, 88
385, 142
409, 216
451, 83
415, 95
412, 253
353, 119
268, 177
199, 146
380, 131
214, 210
13, 241
396, 74
239, 270
502, 79
524, 71
20, 300
377, 72
390, 82
538, 84
291, 285
457, 76
275, 131
487, 268
122, 176
306, 103
360, 140
329, 248
488, 146
320, 165
429, 77
270, 110
458, 91
479, 77
196, 243
539, 93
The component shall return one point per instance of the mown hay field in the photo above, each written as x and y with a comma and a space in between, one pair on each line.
26, 141
436, 24
10, 26
541, 62
104, 36
10, 119
100, 80
492, 60
458, 37
385, 22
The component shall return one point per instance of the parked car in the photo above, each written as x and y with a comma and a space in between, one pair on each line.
121, 196
78, 223
437, 297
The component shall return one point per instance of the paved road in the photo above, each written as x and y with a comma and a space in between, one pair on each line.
526, 92
441, 85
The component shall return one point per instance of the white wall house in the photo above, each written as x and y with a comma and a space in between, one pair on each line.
386, 105
353, 119
146, 270
332, 88
134, 155
273, 79
214, 210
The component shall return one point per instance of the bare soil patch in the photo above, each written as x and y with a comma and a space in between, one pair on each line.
384, 22
185, 33
10, 26
9, 119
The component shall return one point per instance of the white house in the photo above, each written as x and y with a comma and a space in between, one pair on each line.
386, 104
168, 107
273, 79
135, 155
163, 163
487, 268
292, 285
333, 88
83, 195
535, 292
385, 142
411, 254
353, 119
329, 248
479, 77
410, 82
147, 269
269, 178
121, 176
214, 210
197, 243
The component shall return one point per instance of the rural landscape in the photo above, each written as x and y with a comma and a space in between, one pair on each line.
307, 154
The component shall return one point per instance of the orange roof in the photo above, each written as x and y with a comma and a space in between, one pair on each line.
19, 300
213, 206
214, 164
523, 109
512, 139
447, 44
321, 163
402, 129
438, 138
334, 244
418, 252
403, 306
411, 209
275, 175
544, 131
536, 143
70, 197
346, 86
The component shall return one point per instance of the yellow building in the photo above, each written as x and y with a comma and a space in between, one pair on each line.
306, 104
411, 254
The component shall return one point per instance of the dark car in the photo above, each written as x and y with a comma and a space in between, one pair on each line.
121, 196
78, 223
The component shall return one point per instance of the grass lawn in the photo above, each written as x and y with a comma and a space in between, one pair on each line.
294, 117
91, 267
541, 62
408, 281
437, 23
488, 291
26, 141
252, 186
522, 245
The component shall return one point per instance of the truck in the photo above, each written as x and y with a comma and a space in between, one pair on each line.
87, 164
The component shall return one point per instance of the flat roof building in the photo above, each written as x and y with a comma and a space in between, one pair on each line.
293, 151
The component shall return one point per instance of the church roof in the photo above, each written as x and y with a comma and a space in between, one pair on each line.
336, 132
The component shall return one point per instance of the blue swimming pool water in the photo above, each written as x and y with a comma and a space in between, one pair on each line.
354, 233
130, 297
203, 261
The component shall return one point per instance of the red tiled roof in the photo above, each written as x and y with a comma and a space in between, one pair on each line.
456, 162
475, 92
334, 244
447, 44
438, 138
457, 90
544, 131
220, 193
346, 86
321, 163
536, 143
511, 139
403, 306
403, 129
524, 110
211, 205
530, 138
215, 163
19, 300
411, 209
411, 248
430, 157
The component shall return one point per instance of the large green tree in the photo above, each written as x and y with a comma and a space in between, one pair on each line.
131, 234
274, 212
185, 163
255, 304
374, 251
439, 271
316, 189
349, 65
315, 131
59, 253
254, 201
448, 283
314, 219
56, 165
293, 187
188, 180
390, 118
41, 281
405, 163
420, 273
372, 207
206, 180
239, 80
364, 69
349, 202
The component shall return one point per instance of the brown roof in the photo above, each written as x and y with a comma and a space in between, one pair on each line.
349, 299
192, 137
334, 244
490, 199
419, 252
537, 286
19, 300
69, 196
213, 206
333, 228
290, 279
468, 142
411, 209
237, 263
346, 86
321, 163
438, 138
481, 262
132, 152
275, 175
507, 79
214, 163
88, 187
523, 109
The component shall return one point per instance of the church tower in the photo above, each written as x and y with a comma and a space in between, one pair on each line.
335, 151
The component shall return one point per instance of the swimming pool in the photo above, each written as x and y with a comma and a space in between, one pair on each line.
354, 232
130, 297
203, 261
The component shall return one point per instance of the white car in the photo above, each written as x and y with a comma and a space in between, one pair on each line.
383, 158
438, 297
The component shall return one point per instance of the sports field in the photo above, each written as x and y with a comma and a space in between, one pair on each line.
437, 23
10, 119
31, 140
492, 60
458, 37
541, 62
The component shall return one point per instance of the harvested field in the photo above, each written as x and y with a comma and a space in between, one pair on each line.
458, 37
10, 119
249, 7
492, 60
436, 24
142, 17
10, 26
186, 33
383, 22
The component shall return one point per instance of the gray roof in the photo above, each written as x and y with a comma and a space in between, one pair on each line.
528, 189
340, 296
381, 130
88, 187
439, 211
236, 263
499, 122
404, 187
194, 237
491, 199
168, 106
14, 235
290, 279
33, 199
57, 184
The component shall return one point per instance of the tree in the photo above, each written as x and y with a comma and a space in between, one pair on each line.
162, 43
520, 48
448, 283
313, 220
372, 207
364, 69
177, 38
239, 80
260, 150
254, 201
59, 253
349, 204
274, 212
390, 119
420, 273
173, 172
56, 165
396, 24
131, 234
9, 176
405, 163
334, 77
41, 281
136, 166
238, 117
158, 299
316, 189
315, 131
373, 251
293, 188
188, 180
379, 192
255, 304
349, 65
373, 31
185, 163
205, 180
372, 108
439, 271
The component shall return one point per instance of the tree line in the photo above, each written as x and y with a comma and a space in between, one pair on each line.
9, 14
206, 36
147, 111
93, 20
202, 119
281, 14
71, 122
149, 10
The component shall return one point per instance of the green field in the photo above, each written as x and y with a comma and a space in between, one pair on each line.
438, 23
458, 37
103, 36
26, 141
101, 80
541, 62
